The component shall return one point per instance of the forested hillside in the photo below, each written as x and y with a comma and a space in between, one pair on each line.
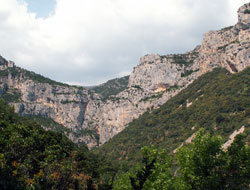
177, 122
141, 157
218, 101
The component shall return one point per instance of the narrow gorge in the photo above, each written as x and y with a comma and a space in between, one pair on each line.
89, 117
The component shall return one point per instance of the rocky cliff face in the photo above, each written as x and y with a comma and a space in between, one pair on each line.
229, 47
46, 98
155, 80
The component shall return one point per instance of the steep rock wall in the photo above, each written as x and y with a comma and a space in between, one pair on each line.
64, 104
154, 81
157, 78
229, 47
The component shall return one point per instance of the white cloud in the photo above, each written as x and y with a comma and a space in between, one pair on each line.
89, 41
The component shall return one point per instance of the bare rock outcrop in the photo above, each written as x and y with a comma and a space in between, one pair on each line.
158, 78
229, 47
64, 104
154, 81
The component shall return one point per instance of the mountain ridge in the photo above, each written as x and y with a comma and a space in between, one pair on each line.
217, 101
152, 83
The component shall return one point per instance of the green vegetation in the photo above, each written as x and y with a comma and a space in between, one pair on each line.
199, 166
4, 73
150, 98
181, 60
227, 28
115, 99
220, 104
223, 48
49, 124
41, 79
3, 61
188, 72
61, 93
32, 158
112, 87
137, 87
173, 87
16, 72
159, 94
86, 132
69, 102
11, 96
247, 11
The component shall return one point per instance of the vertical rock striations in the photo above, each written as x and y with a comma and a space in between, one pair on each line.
94, 118
43, 97
229, 47
155, 80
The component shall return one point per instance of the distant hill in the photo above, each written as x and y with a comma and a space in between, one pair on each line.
94, 116
111, 87
46, 127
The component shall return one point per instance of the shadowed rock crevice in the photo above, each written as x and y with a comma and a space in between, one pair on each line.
96, 114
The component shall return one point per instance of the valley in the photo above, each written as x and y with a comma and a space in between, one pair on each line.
178, 121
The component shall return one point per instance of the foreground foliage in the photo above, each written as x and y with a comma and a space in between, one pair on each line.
203, 165
32, 158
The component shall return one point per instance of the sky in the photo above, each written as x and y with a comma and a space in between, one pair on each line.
87, 42
42, 8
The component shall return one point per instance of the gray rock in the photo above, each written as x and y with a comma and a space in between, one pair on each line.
153, 82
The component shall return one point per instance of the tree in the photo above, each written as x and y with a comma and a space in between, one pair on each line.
202, 165
200, 162
237, 170
205, 165
154, 173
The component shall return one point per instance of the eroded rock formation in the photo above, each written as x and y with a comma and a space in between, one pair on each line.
154, 81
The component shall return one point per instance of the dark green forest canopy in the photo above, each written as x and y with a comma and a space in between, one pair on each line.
220, 104
32, 158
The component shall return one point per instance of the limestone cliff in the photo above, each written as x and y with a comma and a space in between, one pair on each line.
37, 95
157, 78
229, 47
94, 120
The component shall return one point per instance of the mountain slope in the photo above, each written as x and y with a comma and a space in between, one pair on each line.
158, 78
94, 118
217, 101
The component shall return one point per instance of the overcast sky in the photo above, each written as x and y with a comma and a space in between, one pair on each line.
87, 42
